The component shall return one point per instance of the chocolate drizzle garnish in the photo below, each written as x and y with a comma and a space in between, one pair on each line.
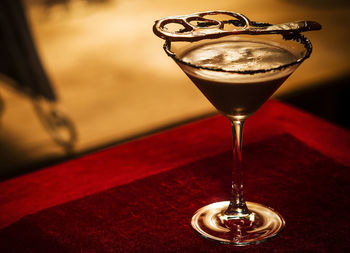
198, 26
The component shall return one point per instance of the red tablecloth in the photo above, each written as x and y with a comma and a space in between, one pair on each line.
140, 196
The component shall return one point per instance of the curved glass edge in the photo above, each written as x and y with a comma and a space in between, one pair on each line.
296, 37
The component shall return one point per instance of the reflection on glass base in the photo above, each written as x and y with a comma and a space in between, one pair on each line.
211, 223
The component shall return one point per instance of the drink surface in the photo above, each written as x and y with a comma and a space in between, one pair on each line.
237, 95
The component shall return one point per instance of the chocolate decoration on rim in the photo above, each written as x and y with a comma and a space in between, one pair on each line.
296, 37
214, 28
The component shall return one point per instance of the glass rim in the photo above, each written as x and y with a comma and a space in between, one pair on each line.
299, 38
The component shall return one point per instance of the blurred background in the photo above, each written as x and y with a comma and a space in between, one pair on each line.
99, 76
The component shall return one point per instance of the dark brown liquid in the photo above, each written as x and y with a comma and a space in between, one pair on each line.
239, 99
237, 95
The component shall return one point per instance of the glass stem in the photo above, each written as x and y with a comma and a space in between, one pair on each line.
237, 208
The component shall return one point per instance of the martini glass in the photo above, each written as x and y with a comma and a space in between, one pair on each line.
237, 74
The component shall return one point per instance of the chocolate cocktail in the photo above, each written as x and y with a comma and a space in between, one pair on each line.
237, 64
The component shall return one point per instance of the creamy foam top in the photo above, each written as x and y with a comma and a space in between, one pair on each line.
238, 56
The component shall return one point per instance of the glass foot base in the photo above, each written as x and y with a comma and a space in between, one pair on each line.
211, 223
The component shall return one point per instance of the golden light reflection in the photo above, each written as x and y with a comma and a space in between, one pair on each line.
115, 81
209, 222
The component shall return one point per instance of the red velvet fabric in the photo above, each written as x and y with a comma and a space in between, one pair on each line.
152, 214
125, 163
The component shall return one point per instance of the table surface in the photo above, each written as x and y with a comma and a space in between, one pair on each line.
165, 152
